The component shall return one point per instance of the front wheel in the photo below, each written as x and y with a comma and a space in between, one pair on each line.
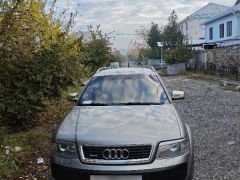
192, 160
191, 171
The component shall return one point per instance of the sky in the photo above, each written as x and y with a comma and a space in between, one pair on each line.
124, 17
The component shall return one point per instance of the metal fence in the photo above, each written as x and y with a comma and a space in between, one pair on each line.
221, 70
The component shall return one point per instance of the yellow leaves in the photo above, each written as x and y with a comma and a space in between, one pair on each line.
29, 27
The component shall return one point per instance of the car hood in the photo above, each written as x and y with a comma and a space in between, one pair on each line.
116, 125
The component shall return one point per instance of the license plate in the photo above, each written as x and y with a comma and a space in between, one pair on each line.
115, 177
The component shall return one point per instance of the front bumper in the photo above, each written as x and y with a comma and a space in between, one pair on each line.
173, 168
178, 172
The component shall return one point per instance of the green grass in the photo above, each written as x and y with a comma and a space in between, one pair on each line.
9, 167
186, 73
73, 89
212, 79
200, 76
31, 142
35, 142
231, 88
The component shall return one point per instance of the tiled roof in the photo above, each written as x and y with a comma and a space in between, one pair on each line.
209, 10
231, 10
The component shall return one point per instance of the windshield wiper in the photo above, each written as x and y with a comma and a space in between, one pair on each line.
95, 104
140, 103
120, 104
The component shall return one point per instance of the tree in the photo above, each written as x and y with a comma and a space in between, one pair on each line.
143, 54
172, 36
38, 59
97, 50
142, 41
133, 54
118, 57
154, 36
179, 54
173, 41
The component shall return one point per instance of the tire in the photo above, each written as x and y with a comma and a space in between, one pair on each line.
191, 171
192, 163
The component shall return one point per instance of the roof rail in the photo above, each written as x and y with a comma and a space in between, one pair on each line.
103, 68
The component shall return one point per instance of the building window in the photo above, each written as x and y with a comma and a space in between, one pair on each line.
221, 28
229, 28
211, 33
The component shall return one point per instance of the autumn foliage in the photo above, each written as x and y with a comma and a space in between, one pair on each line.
39, 58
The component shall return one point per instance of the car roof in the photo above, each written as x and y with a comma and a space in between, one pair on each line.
124, 71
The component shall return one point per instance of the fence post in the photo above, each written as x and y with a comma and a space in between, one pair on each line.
237, 68
222, 71
211, 68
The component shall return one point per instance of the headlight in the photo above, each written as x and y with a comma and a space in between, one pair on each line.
173, 149
64, 150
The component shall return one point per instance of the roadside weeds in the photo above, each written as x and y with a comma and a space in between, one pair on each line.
33, 143
227, 85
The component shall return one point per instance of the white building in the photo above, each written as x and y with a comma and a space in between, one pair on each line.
191, 26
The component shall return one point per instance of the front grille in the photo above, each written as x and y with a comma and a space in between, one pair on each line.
135, 152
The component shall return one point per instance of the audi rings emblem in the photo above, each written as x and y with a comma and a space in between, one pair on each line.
115, 154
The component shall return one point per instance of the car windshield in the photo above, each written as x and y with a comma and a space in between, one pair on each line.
124, 90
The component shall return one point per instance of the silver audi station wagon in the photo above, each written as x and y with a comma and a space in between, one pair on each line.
124, 127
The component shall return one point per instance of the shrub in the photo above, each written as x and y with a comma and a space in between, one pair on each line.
2, 136
39, 59
36, 64
153, 53
180, 54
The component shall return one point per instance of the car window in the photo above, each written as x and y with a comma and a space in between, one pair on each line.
124, 89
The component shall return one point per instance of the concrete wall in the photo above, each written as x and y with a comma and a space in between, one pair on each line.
153, 62
201, 56
216, 29
174, 69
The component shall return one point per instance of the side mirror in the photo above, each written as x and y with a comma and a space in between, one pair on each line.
72, 97
177, 95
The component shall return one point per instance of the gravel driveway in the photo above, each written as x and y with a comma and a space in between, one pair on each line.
214, 115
